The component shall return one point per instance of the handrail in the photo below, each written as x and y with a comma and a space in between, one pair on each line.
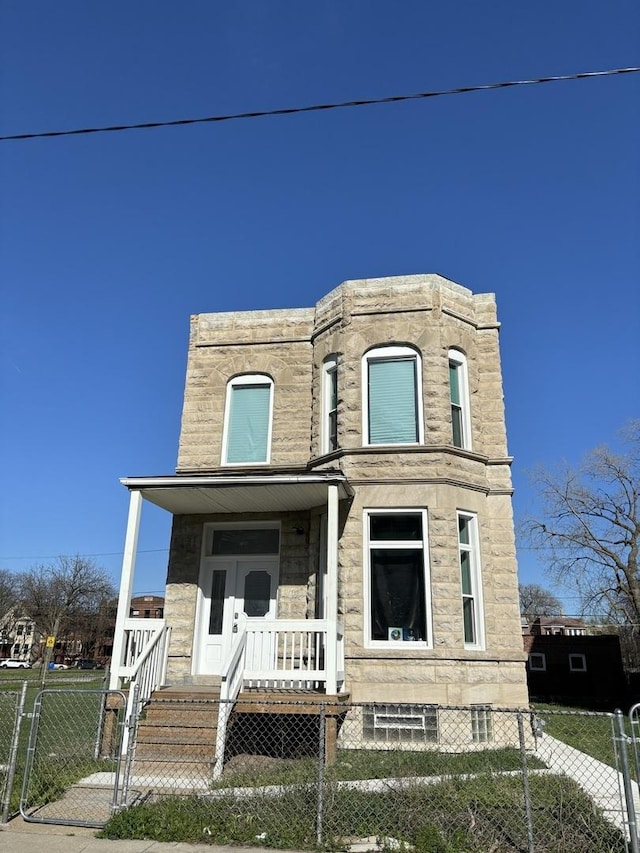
146, 675
149, 650
231, 681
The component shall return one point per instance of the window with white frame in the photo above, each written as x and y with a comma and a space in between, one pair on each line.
392, 408
459, 392
330, 404
481, 724
470, 581
537, 662
397, 577
247, 420
577, 663
393, 723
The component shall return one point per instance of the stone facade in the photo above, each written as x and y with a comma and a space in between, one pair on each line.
432, 316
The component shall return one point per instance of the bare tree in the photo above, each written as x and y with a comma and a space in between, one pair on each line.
8, 592
8, 598
535, 600
590, 528
58, 597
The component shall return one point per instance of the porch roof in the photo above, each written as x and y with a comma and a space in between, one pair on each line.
189, 495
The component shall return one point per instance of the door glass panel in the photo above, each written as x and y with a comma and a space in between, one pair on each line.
218, 582
257, 593
250, 541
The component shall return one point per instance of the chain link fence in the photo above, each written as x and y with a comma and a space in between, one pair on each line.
380, 776
305, 772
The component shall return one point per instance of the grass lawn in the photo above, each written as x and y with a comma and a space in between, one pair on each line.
590, 733
355, 764
455, 816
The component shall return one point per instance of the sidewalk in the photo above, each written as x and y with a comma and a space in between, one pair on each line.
601, 782
18, 836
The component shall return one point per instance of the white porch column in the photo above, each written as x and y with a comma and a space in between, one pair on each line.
126, 586
331, 652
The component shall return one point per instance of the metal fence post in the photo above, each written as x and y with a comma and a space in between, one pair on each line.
622, 741
321, 766
525, 783
635, 737
13, 755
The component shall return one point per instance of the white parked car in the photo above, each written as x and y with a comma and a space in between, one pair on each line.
14, 663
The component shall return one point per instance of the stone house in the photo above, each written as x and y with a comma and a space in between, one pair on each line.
342, 516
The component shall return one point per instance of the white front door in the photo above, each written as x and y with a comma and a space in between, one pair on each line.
233, 591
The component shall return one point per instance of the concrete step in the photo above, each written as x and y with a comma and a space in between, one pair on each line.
176, 734
177, 752
188, 692
156, 716
159, 772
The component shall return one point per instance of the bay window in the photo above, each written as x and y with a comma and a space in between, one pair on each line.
392, 410
330, 405
459, 393
470, 581
397, 578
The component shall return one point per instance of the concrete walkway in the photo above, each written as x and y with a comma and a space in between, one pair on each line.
600, 781
18, 836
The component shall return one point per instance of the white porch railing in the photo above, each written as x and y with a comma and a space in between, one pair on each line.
139, 636
144, 663
290, 653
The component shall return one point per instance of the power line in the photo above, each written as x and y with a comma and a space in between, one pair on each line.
317, 107
96, 554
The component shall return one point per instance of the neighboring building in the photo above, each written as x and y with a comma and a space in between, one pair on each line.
563, 626
576, 668
147, 607
343, 489
17, 637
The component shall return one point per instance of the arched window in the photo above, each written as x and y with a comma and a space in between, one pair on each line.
392, 396
459, 391
247, 420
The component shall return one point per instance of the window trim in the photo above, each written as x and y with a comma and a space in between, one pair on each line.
369, 642
543, 662
583, 661
386, 353
242, 380
329, 370
459, 359
473, 549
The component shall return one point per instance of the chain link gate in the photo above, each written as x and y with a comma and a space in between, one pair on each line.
11, 713
72, 774
630, 771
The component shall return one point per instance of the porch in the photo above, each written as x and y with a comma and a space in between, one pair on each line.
236, 646
277, 668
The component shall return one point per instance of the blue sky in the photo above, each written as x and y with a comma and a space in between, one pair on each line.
109, 242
